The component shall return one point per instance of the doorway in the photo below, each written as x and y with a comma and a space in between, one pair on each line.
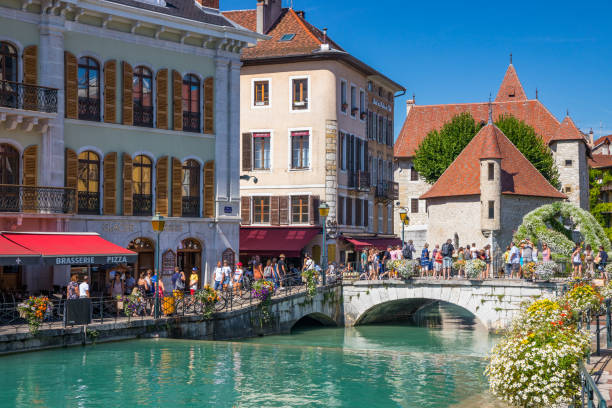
145, 248
189, 257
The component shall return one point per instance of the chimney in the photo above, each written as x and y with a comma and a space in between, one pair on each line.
324, 44
208, 3
268, 12
591, 138
409, 104
301, 14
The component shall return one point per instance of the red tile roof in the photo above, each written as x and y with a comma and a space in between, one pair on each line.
511, 88
602, 140
490, 147
601, 161
519, 177
568, 131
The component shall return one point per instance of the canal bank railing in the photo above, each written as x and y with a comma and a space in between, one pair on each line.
590, 396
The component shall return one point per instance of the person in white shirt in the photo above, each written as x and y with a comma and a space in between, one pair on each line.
227, 275
84, 288
218, 276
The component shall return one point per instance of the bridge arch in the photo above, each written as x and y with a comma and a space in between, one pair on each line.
316, 318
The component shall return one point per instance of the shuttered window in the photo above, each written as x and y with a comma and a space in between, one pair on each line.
274, 210
110, 184
284, 210
299, 209
128, 103
349, 211
88, 183
71, 85
9, 164
162, 98
209, 189
71, 170
30, 65
128, 191
191, 103
341, 211
8, 62
314, 210
110, 91
190, 188
261, 210
358, 208
89, 89
414, 205
142, 179
161, 186
247, 159
245, 210
142, 95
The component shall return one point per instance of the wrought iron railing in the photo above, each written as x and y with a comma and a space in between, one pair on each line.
590, 396
89, 109
191, 206
381, 189
143, 204
143, 116
89, 203
191, 121
18, 95
36, 199
388, 190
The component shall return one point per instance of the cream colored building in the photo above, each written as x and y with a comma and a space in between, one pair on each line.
305, 108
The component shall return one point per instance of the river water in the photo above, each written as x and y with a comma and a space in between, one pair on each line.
437, 363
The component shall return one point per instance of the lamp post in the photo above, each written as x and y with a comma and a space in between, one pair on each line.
324, 212
405, 221
157, 222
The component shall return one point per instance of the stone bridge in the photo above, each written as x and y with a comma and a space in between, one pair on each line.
493, 302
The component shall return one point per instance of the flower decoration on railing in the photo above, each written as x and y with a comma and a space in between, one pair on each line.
34, 311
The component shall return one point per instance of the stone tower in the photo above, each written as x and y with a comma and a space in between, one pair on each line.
490, 180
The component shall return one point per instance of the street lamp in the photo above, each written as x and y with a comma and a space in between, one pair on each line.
405, 221
324, 212
157, 222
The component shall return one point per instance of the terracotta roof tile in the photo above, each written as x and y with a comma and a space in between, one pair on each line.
601, 161
245, 18
519, 177
511, 88
568, 131
490, 147
602, 140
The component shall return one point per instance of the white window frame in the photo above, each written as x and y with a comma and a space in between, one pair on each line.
271, 132
310, 147
297, 194
253, 208
291, 78
252, 103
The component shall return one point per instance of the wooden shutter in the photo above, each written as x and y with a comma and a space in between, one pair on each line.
161, 186
30, 65
30, 166
110, 184
314, 210
283, 211
177, 100
366, 216
245, 210
358, 221
209, 189
340, 211
209, 105
72, 168
127, 100
162, 100
110, 91
274, 210
177, 188
71, 86
349, 211
128, 190
247, 152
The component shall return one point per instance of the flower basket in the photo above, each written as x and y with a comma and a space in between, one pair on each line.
546, 270
474, 267
34, 310
209, 298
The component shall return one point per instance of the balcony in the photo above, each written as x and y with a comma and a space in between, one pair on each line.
89, 203
36, 199
191, 206
143, 116
387, 190
191, 122
143, 204
17, 95
89, 109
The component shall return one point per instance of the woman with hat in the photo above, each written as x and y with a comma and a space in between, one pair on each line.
237, 278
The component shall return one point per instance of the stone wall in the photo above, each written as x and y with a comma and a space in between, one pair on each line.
408, 190
514, 208
574, 176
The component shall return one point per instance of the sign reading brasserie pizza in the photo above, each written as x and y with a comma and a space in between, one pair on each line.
90, 260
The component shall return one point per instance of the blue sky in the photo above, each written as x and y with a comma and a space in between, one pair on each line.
451, 51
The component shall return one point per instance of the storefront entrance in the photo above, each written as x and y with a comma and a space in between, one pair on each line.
190, 256
10, 278
145, 248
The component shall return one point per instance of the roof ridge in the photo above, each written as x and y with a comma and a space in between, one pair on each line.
490, 145
474, 103
299, 19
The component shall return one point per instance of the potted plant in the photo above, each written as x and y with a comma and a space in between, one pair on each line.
34, 310
344, 107
363, 115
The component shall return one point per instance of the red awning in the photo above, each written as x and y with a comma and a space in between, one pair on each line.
57, 248
14, 254
276, 240
378, 243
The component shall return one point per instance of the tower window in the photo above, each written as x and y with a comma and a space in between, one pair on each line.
491, 210
491, 171
569, 163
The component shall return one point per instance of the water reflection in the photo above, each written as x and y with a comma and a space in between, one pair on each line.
434, 361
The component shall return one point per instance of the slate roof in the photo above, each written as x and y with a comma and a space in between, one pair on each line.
180, 8
422, 119
518, 175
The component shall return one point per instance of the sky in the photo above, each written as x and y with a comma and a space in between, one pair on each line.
458, 51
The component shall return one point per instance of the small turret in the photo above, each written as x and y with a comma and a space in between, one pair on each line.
490, 178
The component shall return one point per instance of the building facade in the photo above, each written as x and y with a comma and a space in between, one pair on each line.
316, 126
569, 146
114, 111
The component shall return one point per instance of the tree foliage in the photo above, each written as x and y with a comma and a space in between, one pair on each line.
440, 148
599, 178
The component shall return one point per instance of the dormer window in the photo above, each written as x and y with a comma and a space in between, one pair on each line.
286, 38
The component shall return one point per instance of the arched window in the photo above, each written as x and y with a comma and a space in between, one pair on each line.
9, 164
191, 188
142, 93
191, 103
142, 177
8, 62
89, 183
89, 89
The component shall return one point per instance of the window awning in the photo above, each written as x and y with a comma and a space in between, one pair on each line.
14, 254
379, 243
273, 241
57, 248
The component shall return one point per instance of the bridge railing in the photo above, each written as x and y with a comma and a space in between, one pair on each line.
590, 396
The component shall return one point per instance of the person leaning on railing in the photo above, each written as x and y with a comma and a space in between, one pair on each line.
601, 260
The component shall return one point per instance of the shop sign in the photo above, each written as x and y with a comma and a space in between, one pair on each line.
120, 227
382, 105
227, 210
168, 262
90, 260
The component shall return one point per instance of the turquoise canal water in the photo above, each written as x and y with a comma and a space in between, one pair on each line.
437, 364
